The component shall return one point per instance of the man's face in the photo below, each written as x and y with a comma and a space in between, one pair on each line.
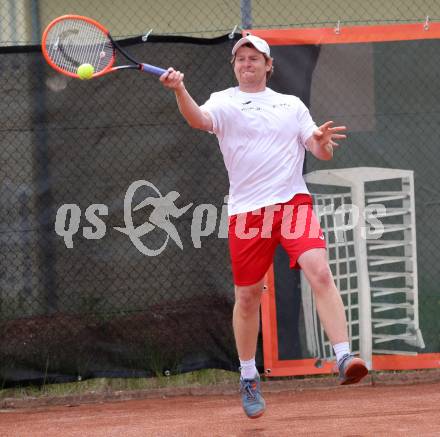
250, 66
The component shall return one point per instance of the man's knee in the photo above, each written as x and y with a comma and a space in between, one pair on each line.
248, 297
322, 276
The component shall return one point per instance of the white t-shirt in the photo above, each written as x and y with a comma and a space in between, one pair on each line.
262, 138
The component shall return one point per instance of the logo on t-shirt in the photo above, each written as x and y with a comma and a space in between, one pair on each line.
245, 106
282, 105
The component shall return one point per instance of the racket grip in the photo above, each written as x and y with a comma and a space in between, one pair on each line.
152, 69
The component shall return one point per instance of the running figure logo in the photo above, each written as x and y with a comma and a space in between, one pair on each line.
163, 209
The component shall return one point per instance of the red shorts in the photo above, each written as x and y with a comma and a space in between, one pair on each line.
254, 236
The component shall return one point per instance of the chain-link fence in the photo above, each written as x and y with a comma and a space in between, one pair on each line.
78, 297
22, 20
73, 153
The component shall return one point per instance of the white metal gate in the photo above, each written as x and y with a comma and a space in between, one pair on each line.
368, 218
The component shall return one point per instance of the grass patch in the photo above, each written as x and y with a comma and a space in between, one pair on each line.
199, 378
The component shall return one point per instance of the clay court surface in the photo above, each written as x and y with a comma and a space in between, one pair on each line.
364, 410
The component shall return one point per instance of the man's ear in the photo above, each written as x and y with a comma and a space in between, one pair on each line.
269, 64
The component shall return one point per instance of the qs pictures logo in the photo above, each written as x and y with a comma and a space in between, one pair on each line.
157, 214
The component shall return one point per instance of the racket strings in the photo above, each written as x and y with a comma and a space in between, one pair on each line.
72, 42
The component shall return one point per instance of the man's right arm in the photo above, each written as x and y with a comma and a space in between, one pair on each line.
190, 110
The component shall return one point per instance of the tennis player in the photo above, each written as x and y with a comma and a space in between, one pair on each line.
263, 136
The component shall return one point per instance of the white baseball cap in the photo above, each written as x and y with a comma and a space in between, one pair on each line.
261, 45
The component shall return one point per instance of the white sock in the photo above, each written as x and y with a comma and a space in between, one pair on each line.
341, 349
248, 369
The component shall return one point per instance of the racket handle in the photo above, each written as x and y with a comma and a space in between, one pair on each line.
152, 69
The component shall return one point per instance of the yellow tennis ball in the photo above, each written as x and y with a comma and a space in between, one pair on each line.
85, 71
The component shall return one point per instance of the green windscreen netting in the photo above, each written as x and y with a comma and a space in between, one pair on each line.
80, 297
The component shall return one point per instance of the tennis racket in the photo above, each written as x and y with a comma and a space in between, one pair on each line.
73, 40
